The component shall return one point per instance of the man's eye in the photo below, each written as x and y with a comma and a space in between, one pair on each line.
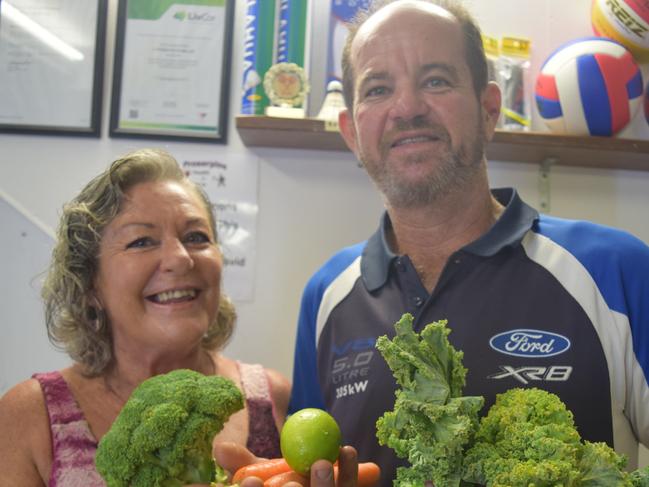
436, 83
197, 237
140, 243
376, 91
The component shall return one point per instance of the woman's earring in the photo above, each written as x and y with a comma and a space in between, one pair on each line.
97, 318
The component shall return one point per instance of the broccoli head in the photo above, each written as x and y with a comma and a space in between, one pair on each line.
163, 435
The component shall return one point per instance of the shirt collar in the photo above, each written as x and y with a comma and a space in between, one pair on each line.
508, 231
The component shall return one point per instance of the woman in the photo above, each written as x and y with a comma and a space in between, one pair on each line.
134, 290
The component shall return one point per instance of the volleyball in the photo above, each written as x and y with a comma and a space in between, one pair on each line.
589, 86
626, 21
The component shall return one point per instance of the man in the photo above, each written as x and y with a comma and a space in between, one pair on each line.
531, 300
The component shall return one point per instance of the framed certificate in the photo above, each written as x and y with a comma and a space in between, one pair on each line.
51, 66
172, 69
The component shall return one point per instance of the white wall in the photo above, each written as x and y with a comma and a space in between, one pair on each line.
311, 202
305, 199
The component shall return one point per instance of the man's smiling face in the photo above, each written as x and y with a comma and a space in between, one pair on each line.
418, 125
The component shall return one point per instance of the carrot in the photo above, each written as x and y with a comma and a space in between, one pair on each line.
291, 476
263, 470
276, 473
368, 474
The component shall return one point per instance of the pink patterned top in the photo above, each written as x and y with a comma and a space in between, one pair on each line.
263, 437
74, 445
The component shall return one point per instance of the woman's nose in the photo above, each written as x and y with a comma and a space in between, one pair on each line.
176, 257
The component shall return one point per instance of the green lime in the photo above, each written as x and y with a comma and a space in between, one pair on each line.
309, 435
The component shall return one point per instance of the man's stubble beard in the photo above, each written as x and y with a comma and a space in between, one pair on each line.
455, 169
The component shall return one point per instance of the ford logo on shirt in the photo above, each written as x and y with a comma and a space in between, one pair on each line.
529, 343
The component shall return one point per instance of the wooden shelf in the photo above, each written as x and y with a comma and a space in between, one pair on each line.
290, 133
532, 147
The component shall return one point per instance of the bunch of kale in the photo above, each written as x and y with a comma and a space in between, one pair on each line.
528, 437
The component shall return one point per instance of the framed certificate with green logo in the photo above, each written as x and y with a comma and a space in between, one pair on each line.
51, 66
172, 69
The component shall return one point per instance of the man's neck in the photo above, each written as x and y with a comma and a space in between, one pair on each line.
430, 235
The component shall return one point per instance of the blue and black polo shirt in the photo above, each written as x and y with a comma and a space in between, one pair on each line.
537, 301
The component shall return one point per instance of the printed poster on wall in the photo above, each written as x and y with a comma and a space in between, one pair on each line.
51, 66
231, 184
171, 76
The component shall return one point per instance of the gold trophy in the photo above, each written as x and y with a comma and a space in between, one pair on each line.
286, 86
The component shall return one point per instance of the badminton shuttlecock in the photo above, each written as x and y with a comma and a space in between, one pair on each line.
333, 102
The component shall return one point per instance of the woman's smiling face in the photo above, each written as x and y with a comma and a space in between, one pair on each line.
159, 270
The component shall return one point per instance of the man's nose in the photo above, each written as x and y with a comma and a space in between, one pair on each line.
409, 104
176, 257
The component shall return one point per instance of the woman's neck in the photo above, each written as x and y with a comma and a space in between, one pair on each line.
126, 374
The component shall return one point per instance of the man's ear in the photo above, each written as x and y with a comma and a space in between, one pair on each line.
347, 129
490, 100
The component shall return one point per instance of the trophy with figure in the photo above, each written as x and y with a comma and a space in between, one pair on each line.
286, 86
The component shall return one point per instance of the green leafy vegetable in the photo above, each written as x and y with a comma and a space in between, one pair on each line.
640, 477
527, 439
163, 435
600, 466
431, 423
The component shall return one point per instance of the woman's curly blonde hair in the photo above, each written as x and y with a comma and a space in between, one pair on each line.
74, 324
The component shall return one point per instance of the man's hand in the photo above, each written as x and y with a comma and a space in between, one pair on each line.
322, 472
232, 456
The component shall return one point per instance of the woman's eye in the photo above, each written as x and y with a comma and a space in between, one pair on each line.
197, 237
140, 243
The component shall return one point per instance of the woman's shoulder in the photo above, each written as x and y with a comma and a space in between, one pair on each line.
280, 386
24, 407
278, 383
25, 439
24, 420
25, 398
280, 390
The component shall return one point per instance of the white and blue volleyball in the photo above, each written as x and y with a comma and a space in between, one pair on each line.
590, 86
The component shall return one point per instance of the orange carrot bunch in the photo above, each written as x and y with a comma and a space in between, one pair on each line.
276, 472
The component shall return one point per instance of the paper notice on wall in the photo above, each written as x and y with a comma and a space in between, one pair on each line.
231, 184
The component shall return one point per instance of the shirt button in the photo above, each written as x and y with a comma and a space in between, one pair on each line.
418, 301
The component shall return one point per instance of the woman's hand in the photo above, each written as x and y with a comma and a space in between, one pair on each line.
232, 456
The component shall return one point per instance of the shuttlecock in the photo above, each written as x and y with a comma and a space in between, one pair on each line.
333, 102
